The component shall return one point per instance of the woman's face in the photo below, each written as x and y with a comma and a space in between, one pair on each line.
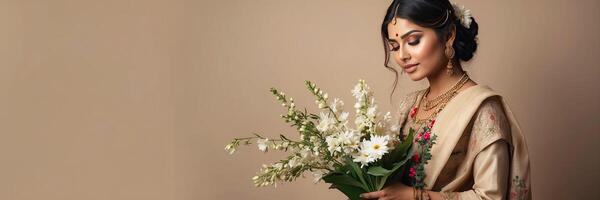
411, 44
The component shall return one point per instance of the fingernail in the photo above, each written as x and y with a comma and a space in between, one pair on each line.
361, 196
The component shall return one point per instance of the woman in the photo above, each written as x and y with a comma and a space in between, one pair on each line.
480, 152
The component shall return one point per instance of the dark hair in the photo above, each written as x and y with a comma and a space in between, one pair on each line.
438, 15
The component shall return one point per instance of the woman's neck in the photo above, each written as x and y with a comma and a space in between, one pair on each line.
442, 81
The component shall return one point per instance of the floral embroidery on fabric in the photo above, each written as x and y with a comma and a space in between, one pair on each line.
404, 110
413, 111
519, 190
490, 122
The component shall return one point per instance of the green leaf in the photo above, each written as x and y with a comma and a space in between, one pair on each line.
339, 178
378, 171
400, 151
383, 180
358, 172
351, 191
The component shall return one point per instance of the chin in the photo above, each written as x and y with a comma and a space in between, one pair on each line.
416, 75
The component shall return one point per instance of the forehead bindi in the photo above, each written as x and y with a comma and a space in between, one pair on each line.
402, 27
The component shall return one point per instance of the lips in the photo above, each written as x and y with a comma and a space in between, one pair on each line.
410, 68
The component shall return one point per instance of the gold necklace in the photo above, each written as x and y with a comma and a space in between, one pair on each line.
463, 79
420, 122
430, 104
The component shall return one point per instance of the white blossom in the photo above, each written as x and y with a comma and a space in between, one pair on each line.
363, 157
463, 14
293, 162
336, 105
359, 121
317, 175
372, 111
372, 150
230, 148
333, 144
357, 105
357, 92
326, 122
262, 144
376, 146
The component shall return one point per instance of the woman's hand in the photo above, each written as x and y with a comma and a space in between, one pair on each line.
397, 191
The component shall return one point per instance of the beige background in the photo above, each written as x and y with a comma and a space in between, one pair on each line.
136, 99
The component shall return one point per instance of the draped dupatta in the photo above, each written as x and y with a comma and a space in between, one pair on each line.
451, 123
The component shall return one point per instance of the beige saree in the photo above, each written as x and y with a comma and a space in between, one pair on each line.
480, 151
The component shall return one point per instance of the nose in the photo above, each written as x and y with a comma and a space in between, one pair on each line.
402, 56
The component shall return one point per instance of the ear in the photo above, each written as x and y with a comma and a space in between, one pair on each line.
451, 35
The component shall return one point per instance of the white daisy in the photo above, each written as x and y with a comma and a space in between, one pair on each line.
376, 146
363, 157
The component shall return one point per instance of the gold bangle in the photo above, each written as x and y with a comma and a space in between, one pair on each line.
414, 193
426, 197
449, 195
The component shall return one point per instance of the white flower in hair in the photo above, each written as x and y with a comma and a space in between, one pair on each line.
463, 14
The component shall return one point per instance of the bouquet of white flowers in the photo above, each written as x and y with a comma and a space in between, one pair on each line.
353, 160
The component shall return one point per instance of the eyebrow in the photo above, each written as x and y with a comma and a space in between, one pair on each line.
405, 34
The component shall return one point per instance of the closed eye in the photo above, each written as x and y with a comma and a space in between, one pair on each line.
413, 43
394, 46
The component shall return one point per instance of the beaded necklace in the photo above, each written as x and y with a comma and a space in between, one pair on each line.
417, 124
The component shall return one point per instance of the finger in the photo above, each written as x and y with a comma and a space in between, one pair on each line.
372, 195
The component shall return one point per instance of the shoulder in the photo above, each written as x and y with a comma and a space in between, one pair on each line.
411, 96
407, 101
405, 104
490, 123
491, 105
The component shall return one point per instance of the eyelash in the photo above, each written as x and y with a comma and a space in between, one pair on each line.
410, 43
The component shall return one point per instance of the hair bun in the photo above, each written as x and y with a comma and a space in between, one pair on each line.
465, 43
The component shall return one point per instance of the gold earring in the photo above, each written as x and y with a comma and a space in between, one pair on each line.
450, 54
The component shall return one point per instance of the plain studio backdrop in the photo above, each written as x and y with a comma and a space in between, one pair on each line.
119, 99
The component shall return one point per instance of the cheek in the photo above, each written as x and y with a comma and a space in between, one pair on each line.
425, 52
429, 54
